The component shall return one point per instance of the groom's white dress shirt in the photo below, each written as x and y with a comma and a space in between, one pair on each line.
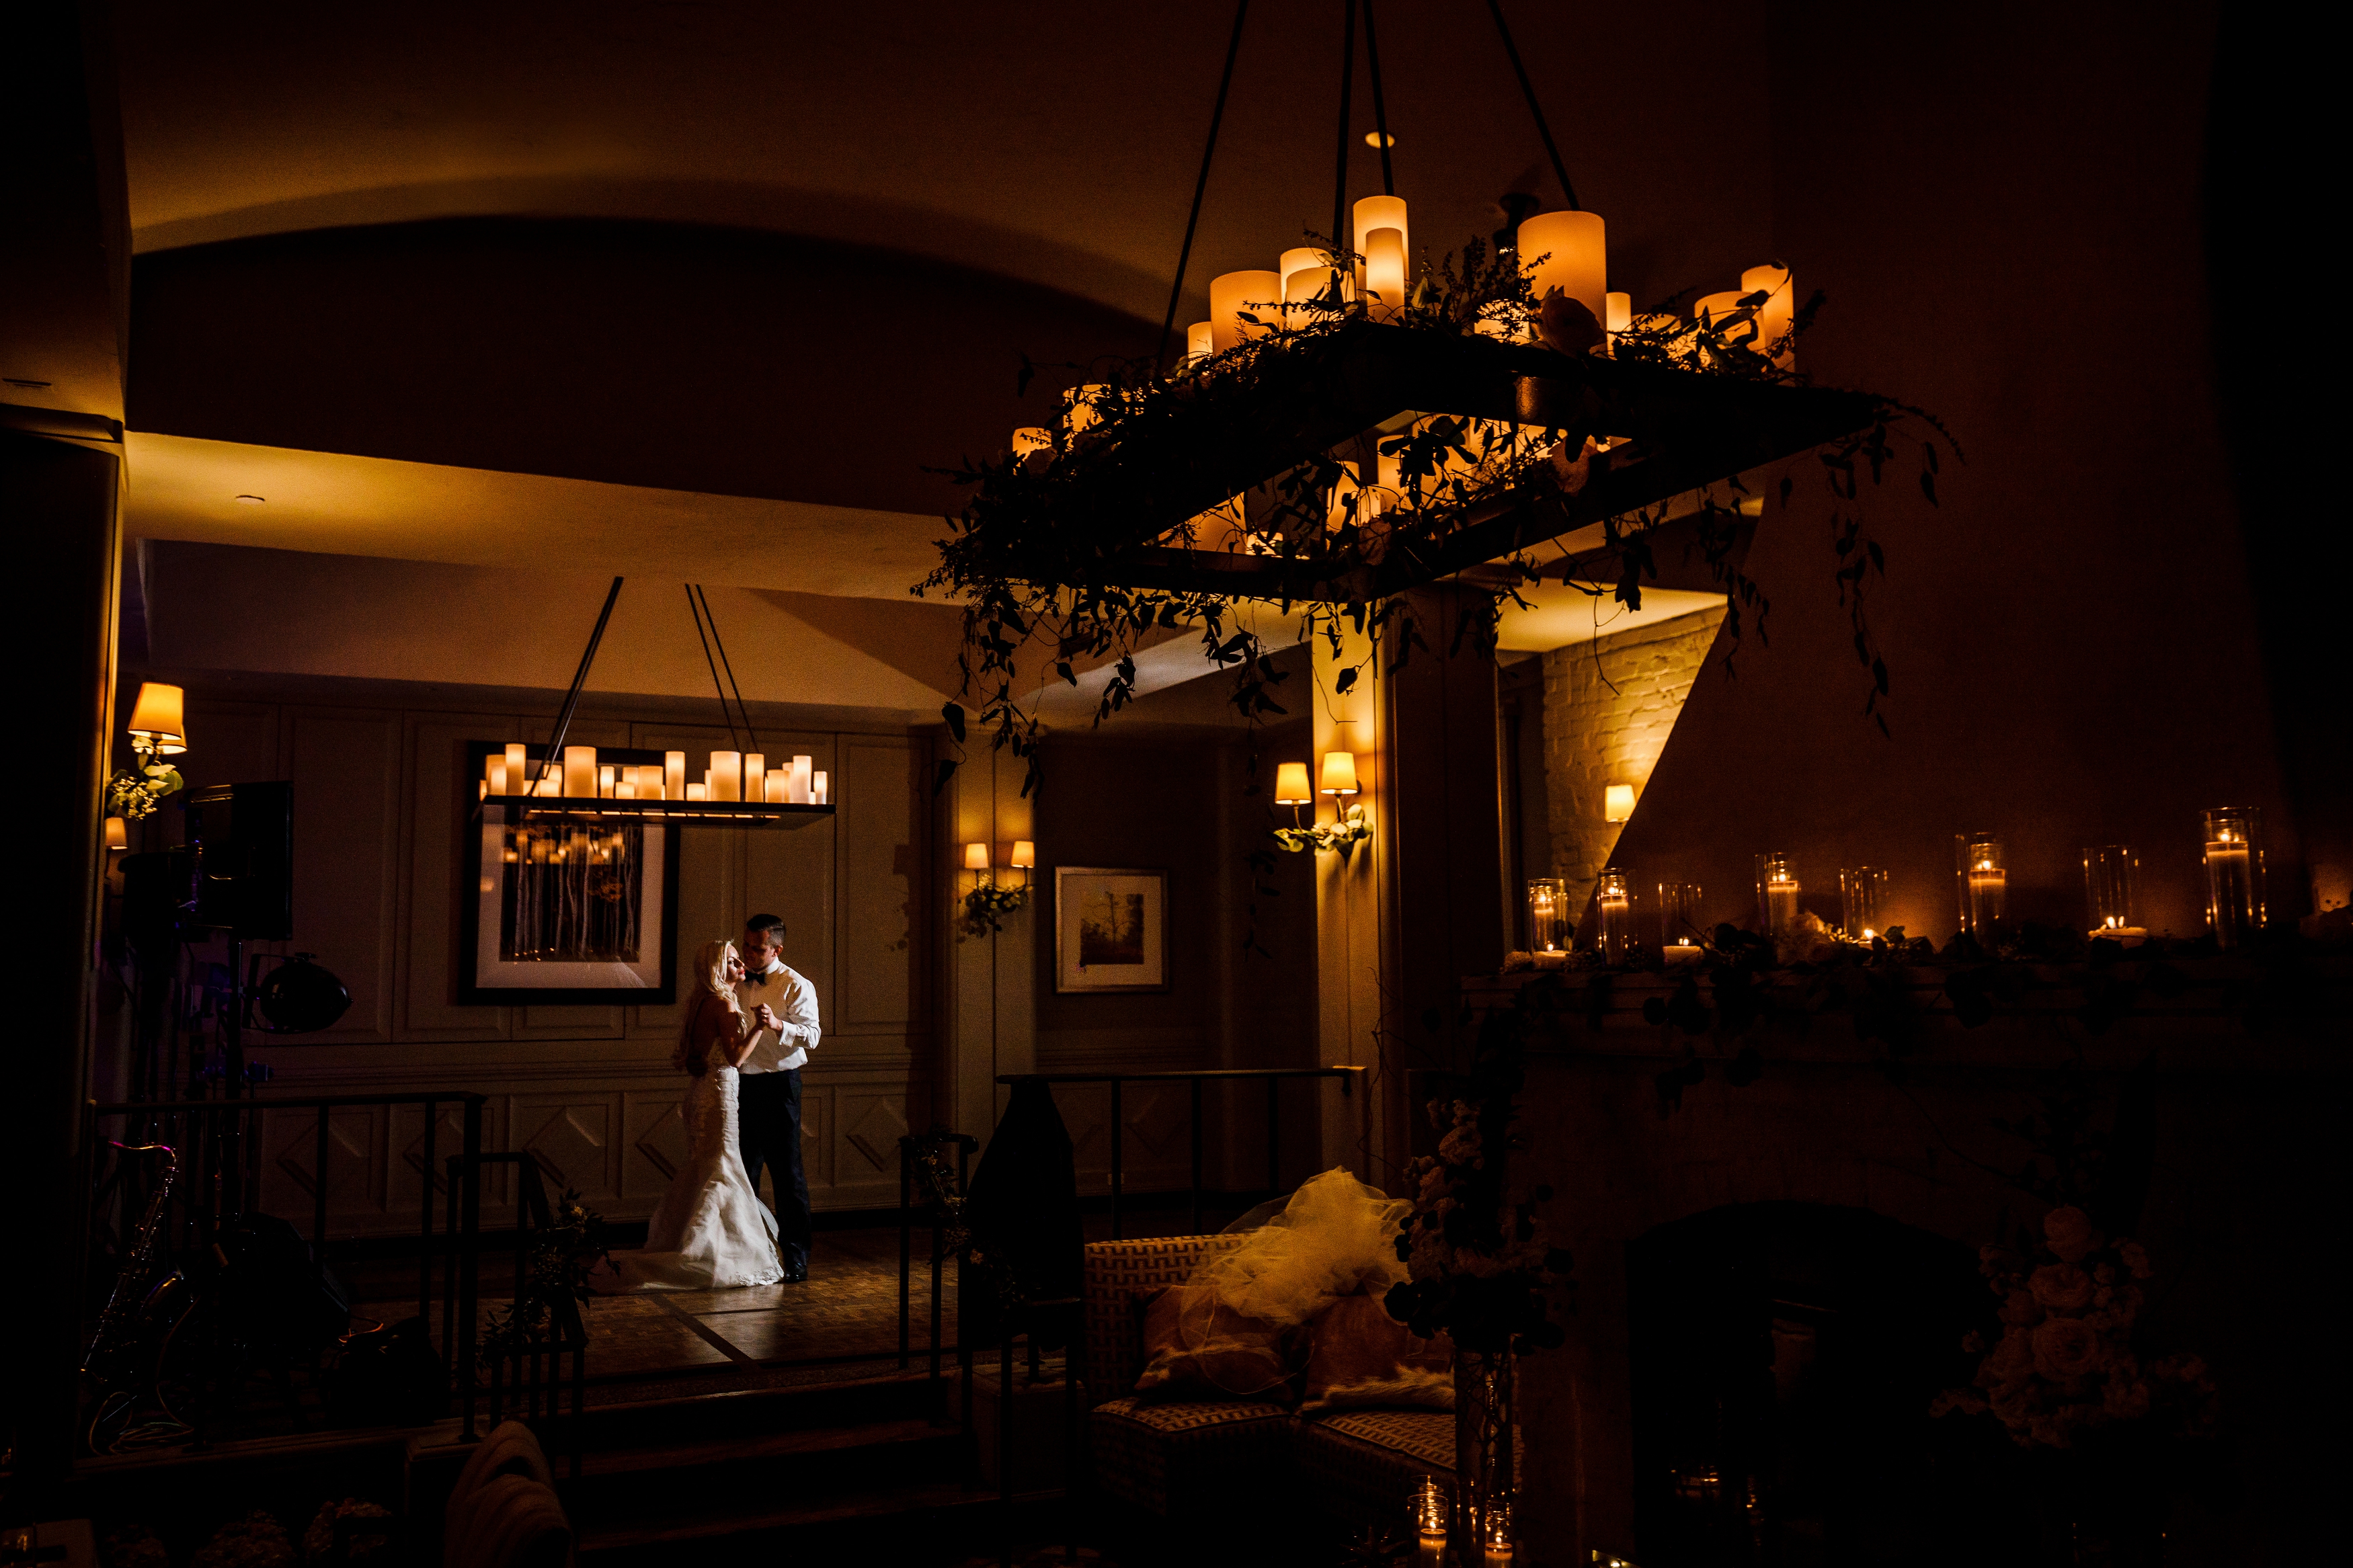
794, 1000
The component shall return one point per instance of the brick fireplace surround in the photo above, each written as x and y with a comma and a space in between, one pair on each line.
2244, 1213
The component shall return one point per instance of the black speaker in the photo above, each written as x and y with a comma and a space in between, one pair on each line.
241, 850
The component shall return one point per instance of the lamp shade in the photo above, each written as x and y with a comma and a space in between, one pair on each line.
1568, 251
118, 833
1339, 772
1617, 803
159, 715
975, 857
1291, 785
1025, 854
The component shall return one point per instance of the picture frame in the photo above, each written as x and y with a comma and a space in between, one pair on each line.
605, 927
1111, 929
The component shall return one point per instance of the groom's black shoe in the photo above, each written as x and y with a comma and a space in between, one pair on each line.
796, 1275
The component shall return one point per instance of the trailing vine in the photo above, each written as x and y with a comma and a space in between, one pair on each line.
1031, 562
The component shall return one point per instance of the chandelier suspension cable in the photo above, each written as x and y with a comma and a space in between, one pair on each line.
1202, 186
579, 679
1380, 109
750, 734
1341, 238
1527, 88
694, 606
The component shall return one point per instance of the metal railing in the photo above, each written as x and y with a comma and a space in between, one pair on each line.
1273, 1077
537, 1364
220, 1152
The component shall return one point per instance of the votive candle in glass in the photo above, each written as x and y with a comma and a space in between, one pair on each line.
1615, 897
1431, 1503
1548, 914
1982, 880
1679, 918
1776, 894
2234, 873
2112, 890
1862, 901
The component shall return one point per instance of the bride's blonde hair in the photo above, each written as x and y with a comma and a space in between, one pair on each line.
710, 979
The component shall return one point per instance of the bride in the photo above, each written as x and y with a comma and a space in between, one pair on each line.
712, 1230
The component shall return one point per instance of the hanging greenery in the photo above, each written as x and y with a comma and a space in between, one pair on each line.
1048, 581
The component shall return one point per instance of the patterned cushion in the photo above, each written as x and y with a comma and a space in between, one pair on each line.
1363, 1464
1116, 1272
1182, 1455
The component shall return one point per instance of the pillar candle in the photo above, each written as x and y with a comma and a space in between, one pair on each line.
674, 775
726, 775
698, 791
1568, 251
605, 782
518, 771
1233, 295
1385, 270
495, 776
773, 786
1779, 309
799, 791
580, 772
818, 790
756, 776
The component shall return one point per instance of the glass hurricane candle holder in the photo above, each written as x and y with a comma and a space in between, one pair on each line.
1981, 880
1548, 914
1615, 897
1776, 894
2112, 891
1431, 1504
1862, 901
2234, 873
1679, 916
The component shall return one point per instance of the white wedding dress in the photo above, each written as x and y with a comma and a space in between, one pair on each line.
712, 1231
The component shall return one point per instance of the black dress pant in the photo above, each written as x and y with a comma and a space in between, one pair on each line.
768, 1128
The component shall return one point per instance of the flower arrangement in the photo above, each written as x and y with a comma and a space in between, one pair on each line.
1350, 829
987, 907
1475, 1248
2066, 1361
562, 1257
134, 796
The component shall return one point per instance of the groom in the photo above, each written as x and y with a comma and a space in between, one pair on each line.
768, 1105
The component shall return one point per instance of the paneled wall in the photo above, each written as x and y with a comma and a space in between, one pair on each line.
381, 801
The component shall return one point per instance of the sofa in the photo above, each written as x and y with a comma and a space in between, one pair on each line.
1175, 1459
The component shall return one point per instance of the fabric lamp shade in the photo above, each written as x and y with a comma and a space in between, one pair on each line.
118, 833
1339, 772
160, 716
1025, 854
1291, 785
975, 857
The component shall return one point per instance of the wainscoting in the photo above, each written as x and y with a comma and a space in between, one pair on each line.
588, 1092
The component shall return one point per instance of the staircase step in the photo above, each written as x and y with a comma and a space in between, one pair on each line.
678, 1457
885, 1519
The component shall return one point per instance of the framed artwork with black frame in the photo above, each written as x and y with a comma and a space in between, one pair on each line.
1111, 929
564, 910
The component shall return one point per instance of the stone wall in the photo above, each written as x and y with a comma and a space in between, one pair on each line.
1608, 707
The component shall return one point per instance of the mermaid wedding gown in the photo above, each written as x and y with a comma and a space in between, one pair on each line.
712, 1230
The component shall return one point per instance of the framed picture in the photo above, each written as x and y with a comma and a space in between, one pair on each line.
1111, 929
564, 912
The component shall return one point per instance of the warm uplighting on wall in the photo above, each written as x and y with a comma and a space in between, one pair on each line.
1617, 803
159, 726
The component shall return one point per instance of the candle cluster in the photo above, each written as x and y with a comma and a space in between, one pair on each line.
730, 777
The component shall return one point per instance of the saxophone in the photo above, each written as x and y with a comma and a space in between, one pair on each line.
112, 1363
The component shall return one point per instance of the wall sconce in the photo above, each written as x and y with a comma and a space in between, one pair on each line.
159, 729
1338, 780
118, 833
985, 906
1617, 803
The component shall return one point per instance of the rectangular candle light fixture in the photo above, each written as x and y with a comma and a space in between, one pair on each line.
1617, 803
